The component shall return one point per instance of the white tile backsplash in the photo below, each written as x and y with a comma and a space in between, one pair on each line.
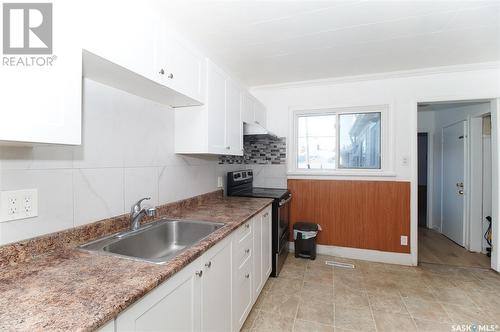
127, 153
98, 194
55, 202
141, 182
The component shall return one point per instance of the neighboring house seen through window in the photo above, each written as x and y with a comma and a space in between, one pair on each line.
331, 140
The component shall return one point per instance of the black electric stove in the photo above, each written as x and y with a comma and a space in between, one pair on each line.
240, 183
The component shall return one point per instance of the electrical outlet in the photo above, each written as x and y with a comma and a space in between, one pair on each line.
18, 204
404, 240
405, 161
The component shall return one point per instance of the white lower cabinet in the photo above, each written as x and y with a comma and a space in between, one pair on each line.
216, 289
262, 251
173, 306
215, 292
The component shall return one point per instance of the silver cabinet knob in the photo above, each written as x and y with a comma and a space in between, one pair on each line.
209, 264
460, 192
247, 275
266, 214
170, 76
162, 71
247, 225
247, 251
228, 147
199, 273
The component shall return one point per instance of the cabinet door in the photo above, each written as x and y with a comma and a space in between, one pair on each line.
242, 293
216, 106
260, 113
123, 33
234, 129
42, 103
257, 259
216, 286
178, 66
173, 306
186, 73
247, 114
266, 244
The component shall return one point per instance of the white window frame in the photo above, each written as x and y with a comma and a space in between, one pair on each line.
386, 160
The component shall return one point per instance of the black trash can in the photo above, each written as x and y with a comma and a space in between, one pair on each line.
305, 239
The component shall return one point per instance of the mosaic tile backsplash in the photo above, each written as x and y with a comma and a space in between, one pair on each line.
259, 150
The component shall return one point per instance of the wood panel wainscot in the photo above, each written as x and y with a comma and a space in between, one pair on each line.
357, 214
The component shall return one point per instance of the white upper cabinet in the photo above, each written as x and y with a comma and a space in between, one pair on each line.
216, 109
41, 101
216, 127
252, 110
234, 125
130, 48
247, 114
259, 113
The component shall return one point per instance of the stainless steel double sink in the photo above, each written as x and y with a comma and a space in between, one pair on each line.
157, 242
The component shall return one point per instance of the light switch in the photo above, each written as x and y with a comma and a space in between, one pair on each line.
405, 161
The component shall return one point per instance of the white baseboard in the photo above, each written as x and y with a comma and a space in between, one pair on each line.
362, 254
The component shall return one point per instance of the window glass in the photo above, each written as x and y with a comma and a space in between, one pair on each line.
316, 140
359, 135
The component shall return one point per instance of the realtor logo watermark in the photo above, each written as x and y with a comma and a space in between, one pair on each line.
27, 30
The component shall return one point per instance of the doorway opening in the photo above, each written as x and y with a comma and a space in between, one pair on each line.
454, 183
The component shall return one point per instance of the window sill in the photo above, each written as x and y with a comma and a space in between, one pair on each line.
339, 173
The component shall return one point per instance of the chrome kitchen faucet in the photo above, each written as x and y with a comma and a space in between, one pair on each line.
137, 213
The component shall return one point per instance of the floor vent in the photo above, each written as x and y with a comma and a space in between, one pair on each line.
338, 264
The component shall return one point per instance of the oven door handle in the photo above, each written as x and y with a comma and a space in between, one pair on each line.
283, 202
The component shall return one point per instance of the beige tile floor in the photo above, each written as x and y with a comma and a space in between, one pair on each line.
310, 296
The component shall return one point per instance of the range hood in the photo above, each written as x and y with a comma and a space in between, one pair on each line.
251, 129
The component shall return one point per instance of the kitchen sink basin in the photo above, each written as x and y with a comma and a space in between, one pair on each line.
157, 242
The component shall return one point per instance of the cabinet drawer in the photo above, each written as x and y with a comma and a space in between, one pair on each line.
242, 251
243, 231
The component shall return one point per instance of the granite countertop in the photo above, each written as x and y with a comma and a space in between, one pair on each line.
69, 289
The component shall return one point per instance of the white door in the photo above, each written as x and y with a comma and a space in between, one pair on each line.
216, 296
453, 182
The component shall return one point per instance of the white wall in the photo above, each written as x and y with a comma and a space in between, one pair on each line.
401, 91
127, 153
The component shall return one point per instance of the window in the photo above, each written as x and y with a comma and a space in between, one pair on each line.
359, 140
339, 139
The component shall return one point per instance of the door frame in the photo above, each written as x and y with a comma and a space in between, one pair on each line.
475, 192
466, 179
429, 223
495, 125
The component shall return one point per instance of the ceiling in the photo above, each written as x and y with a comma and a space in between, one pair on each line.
268, 42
